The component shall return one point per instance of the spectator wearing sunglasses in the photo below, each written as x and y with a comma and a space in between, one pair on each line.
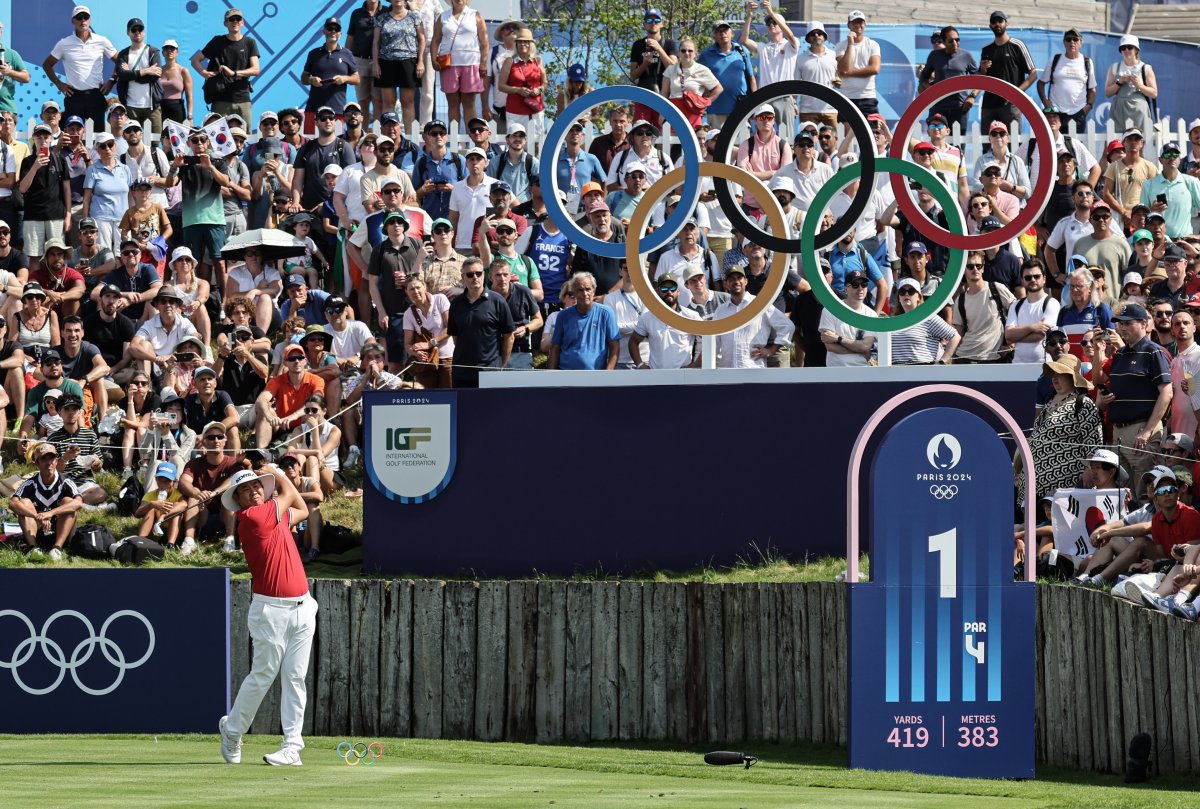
242, 371
1068, 81
308, 181
731, 64
950, 62
203, 206
139, 68
1009, 60
106, 190
1031, 318
227, 62
281, 404
648, 58
442, 265
82, 54
1104, 247
327, 71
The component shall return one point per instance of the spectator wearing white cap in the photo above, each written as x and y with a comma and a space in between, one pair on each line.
1190, 162
932, 340
858, 61
764, 153
623, 201
807, 174
642, 135
668, 347
818, 65
469, 199
178, 102
730, 63
82, 54
1133, 88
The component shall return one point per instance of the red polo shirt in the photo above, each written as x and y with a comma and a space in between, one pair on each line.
271, 552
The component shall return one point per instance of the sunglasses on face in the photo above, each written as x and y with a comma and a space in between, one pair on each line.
1166, 490
505, 231
234, 18
1084, 194
299, 358
975, 265
139, 383
1163, 314
668, 288
131, 252
441, 231
334, 310
765, 116
991, 174
438, 133
476, 130
241, 337
390, 191
517, 135
1057, 341
312, 411
907, 291
1031, 278
980, 205
106, 145
1072, 39
646, 133
857, 284
687, 50
332, 30
475, 274
82, 17
212, 439
1085, 343
652, 19
386, 147
326, 117
198, 141
937, 126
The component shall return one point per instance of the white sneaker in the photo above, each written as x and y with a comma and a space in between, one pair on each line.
230, 545
187, 547
352, 455
231, 748
56, 555
285, 757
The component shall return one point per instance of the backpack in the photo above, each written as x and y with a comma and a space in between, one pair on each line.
662, 160
154, 153
1069, 143
750, 149
528, 165
92, 541
337, 539
1087, 69
1000, 311
421, 168
136, 550
130, 495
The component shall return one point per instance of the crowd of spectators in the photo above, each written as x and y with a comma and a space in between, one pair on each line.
135, 339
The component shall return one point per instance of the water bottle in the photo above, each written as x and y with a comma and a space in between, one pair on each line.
162, 495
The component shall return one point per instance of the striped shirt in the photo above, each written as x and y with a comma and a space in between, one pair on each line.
46, 496
919, 344
84, 438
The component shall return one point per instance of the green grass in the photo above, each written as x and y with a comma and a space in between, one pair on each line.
187, 771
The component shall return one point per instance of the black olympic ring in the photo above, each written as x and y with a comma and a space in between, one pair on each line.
862, 133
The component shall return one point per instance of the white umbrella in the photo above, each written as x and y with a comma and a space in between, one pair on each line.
275, 244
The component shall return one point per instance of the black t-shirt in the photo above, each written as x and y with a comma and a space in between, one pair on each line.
144, 278
196, 415
81, 364
651, 79
151, 403
476, 328
1061, 204
109, 337
313, 158
15, 260
938, 255
1004, 268
1011, 62
221, 50
44, 199
523, 307
240, 382
391, 265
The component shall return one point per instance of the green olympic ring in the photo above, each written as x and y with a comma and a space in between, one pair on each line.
812, 270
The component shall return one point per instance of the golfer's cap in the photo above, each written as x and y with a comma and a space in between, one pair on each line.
666, 277
110, 289
576, 72
478, 121
383, 139
166, 470
292, 350
131, 124
991, 164
589, 187
1131, 278
1181, 441
500, 185
1155, 215
295, 280
1133, 132
916, 247
33, 288
635, 165
855, 15
134, 22
242, 328
117, 107
353, 104
765, 109
241, 477
332, 168
1105, 456
140, 182
190, 340
436, 123
369, 347
441, 221
808, 127
75, 12
1100, 206
289, 459
781, 182
1158, 474
323, 110
205, 370
513, 129
911, 283
855, 275
738, 268
53, 105
1131, 311
1170, 150
333, 22
936, 118
43, 128
170, 43
1072, 33
389, 117
990, 223
394, 216
505, 223
1174, 252
924, 146
719, 24
475, 151
642, 123
1051, 109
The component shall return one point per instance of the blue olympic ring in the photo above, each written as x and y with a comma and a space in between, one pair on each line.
691, 160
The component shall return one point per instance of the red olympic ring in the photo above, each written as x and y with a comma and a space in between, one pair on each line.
1039, 197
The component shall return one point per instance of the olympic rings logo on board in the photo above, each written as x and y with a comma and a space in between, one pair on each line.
351, 754
943, 492
723, 172
54, 653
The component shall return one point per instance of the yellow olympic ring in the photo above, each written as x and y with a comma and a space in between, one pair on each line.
641, 282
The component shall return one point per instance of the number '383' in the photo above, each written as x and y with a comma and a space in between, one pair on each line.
978, 737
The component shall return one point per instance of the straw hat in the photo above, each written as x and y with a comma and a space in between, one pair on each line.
1067, 364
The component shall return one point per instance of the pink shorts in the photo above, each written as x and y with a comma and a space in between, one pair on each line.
465, 79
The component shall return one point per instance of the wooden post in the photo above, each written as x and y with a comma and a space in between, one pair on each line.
654, 685
366, 608
577, 684
695, 668
605, 662
490, 668
395, 659
674, 603
428, 640
714, 662
736, 722
459, 654
629, 660
551, 661
519, 723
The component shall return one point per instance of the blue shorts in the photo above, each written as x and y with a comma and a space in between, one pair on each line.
201, 239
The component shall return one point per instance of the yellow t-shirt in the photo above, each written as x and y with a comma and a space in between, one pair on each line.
173, 496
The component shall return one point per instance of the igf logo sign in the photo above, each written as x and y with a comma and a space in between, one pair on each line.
405, 439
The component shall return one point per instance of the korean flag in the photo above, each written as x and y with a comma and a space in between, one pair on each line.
221, 138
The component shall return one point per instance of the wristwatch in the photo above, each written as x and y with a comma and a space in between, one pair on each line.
839, 339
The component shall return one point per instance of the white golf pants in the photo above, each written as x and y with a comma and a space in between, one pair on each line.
282, 630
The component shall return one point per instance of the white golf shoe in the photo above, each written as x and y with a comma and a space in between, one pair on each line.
284, 757
231, 748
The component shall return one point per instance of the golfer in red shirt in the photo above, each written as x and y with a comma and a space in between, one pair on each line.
283, 616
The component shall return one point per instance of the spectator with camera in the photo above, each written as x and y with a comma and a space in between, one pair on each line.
155, 341
46, 505
169, 437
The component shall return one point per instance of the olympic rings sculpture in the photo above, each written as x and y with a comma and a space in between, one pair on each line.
82, 653
956, 239
350, 753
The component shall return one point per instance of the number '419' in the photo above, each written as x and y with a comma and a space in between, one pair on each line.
908, 737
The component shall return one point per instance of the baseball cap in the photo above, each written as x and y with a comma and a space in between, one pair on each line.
241, 477
1105, 456
911, 283
1131, 311
205, 370
475, 151
51, 105
597, 205
43, 128
390, 117
292, 348
110, 289
295, 280
653, 12
332, 168
916, 247
170, 43
134, 22
936, 118
1170, 150
991, 164
389, 181
33, 288
1100, 206
1174, 252
855, 275
642, 123
740, 269
50, 355
719, 24
589, 187
1077, 261
52, 393
1155, 215
167, 470
1133, 132
75, 12
369, 347
997, 126
394, 216
576, 72
333, 22
514, 129
104, 137
1113, 146
268, 116
691, 272
507, 223
1131, 278
500, 185
233, 12
479, 121
855, 15
40, 449
434, 124
1072, 33
998, 15
635, 165
441, 221
1181, 440
990, 223
924, 146
764, 109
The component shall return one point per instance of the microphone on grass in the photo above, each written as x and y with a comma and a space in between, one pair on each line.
722, 758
